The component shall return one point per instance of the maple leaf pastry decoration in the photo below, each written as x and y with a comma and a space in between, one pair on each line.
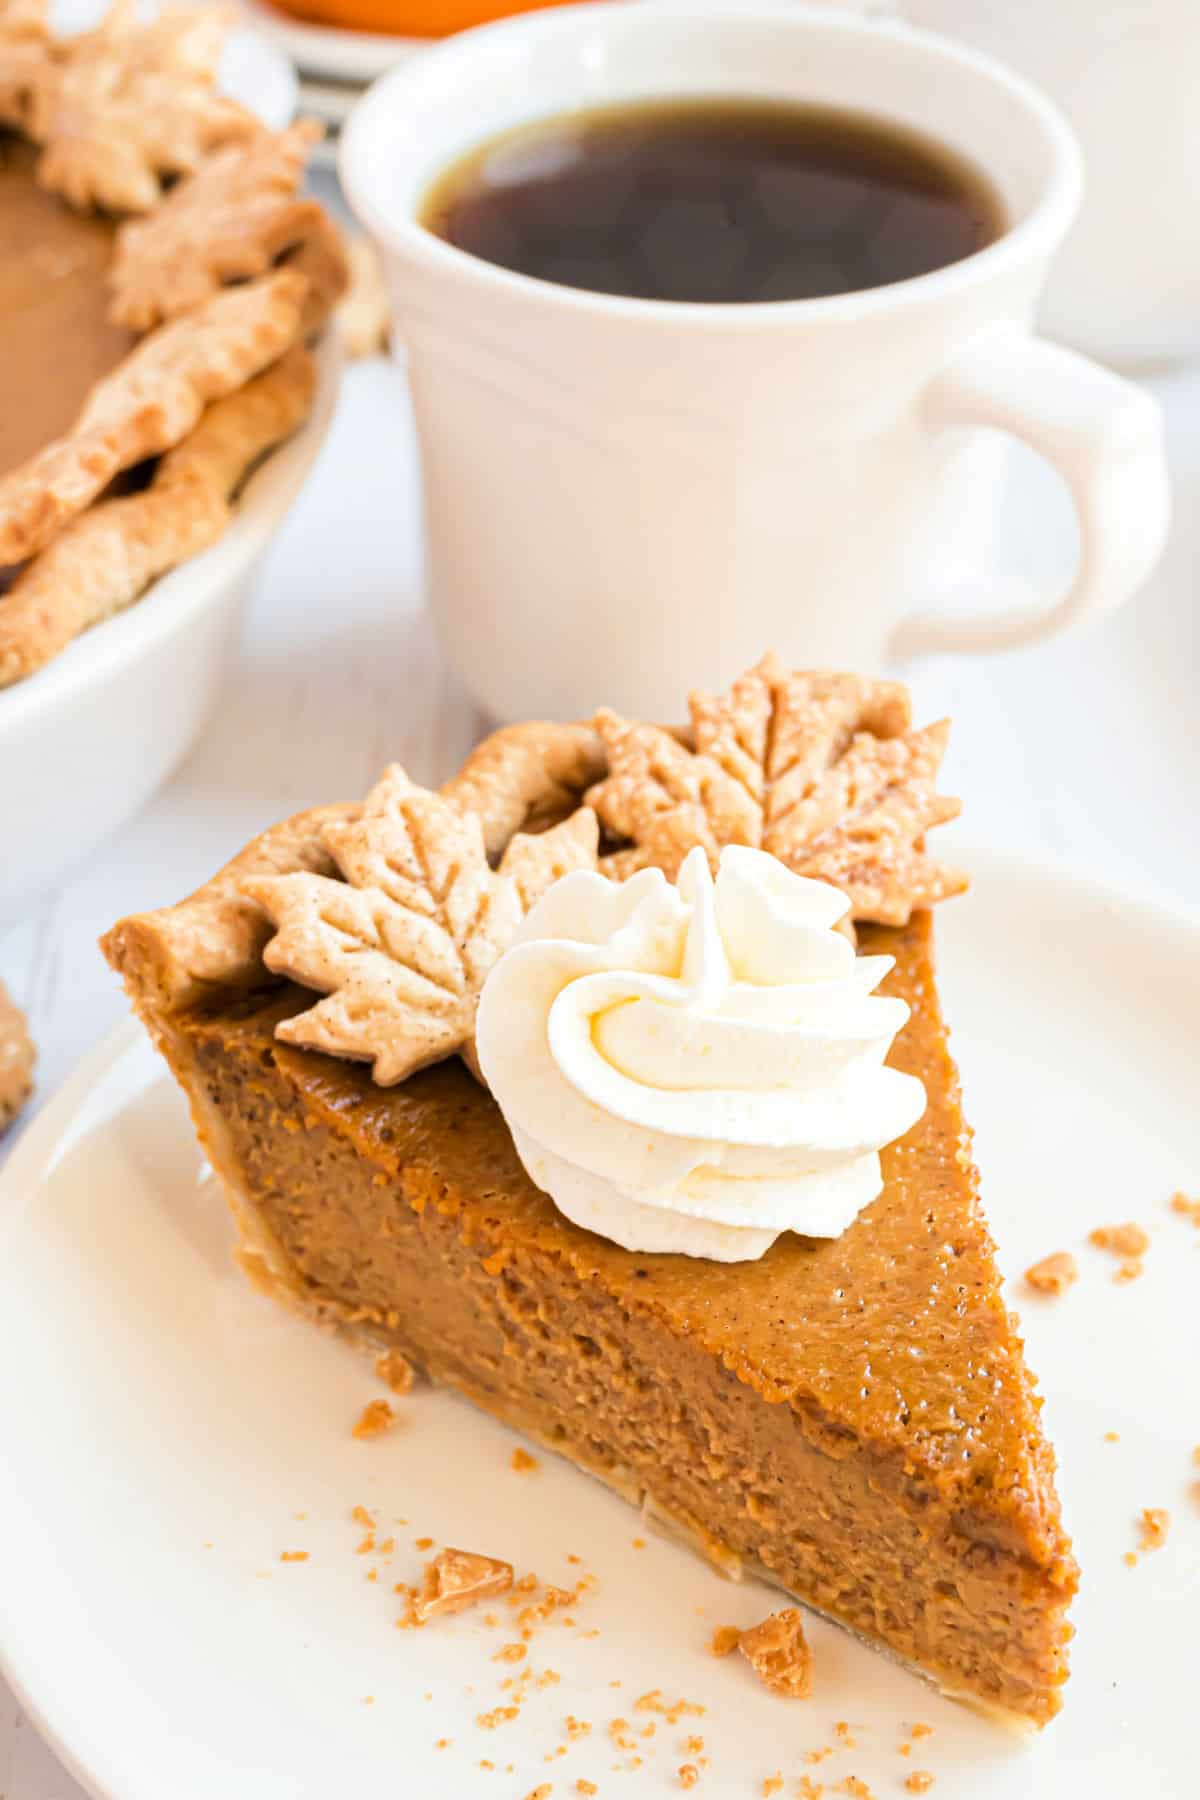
232, 220
401, 946
823, 771
123, 108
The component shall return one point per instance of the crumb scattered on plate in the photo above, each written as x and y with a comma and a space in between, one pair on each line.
1123, 1240
777, 1650
454, 1580
1054, 1274
374, 1419
396, 1371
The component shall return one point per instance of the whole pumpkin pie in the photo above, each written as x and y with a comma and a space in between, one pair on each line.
848, 1415
159, 279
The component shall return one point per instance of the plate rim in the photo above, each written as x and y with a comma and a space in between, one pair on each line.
331, 50
32, 1156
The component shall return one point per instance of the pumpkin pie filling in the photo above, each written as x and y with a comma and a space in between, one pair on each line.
798, 1415
56, 337
849, 1416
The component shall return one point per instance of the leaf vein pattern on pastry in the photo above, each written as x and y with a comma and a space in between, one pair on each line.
821, 770
395, 910
229, 221
401, 945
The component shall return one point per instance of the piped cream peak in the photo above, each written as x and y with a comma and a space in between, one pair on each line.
697, 1067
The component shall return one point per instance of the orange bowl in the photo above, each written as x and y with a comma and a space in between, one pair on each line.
408, 18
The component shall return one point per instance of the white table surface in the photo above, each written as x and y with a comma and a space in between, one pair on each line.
1086, 748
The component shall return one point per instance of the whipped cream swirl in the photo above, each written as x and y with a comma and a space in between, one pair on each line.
696, 1068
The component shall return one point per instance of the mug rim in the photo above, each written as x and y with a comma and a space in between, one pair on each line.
399, 230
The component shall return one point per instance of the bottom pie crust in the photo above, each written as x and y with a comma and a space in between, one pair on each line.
269, 1269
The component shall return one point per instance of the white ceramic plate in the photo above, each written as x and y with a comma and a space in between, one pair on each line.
170, 1433
325, 50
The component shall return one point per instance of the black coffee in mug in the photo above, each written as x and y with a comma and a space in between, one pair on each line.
715, 200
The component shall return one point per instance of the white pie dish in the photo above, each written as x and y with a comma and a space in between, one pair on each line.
86, 740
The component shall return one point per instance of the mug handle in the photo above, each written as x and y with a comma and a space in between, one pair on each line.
1102, 434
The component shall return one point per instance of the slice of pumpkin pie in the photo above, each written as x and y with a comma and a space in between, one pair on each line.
711, 1229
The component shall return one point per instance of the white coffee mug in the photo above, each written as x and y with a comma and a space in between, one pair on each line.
624, 497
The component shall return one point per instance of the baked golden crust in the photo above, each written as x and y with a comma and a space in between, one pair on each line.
402, 941
119, 112
320, 257
520, 780
103, 560
149, 404
821, 770
525, 777
120, 108
210, 946
231, 220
